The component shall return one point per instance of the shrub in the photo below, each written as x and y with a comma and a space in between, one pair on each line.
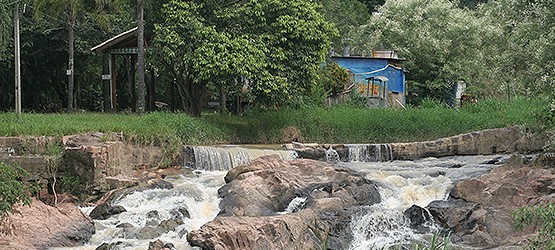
13, 189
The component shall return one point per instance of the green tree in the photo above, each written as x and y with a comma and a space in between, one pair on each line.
373, 5
273, 47
68, 9
522, 51
5, 23
346, 15
438, 39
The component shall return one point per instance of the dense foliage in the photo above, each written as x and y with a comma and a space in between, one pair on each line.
540, 217
272, 47
267, 53
12, 188
500, 48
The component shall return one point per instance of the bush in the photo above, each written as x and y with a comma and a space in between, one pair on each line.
542, 217
13, 189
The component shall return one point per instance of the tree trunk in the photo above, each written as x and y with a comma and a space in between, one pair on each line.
192, 96
140, 58
223, 101
70, 73
196, 98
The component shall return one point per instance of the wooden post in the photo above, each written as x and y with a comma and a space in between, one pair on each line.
17, 62
133, 83
113, 76
106, 77
151, 94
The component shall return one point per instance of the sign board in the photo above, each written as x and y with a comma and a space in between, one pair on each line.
106, 77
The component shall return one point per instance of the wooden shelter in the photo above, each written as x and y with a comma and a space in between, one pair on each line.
123, 45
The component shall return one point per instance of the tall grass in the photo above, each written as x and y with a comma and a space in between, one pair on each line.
342, 124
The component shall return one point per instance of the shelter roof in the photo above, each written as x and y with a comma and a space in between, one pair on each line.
126, 40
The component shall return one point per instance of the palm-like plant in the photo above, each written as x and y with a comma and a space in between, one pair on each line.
69, 10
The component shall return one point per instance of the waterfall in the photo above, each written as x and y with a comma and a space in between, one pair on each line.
221, 158
369, 152
332, 155
295, 205
384, 225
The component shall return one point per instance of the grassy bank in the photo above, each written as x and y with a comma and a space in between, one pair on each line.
342, 124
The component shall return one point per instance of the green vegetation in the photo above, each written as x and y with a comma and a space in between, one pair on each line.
12, 188
273, 46
542, 218
267, 52
435, 243
342, 124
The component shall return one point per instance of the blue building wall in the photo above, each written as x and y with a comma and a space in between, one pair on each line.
362, 68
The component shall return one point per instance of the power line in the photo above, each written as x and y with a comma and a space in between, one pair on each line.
47, 15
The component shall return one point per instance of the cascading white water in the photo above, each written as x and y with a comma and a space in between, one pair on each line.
402, 184
226, 157
332, 155
369, 152
296, 204
197, 194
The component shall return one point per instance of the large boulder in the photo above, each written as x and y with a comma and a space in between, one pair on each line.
479, 210
257, 212
40, 226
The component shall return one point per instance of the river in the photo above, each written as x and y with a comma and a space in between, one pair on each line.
401, 184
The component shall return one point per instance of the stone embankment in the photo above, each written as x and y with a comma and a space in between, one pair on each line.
492, 141
276, 204
103, 160
34, 153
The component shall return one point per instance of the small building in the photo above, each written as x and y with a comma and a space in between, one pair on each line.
116, 83
379, 78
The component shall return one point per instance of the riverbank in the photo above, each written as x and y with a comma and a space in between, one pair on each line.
342, 124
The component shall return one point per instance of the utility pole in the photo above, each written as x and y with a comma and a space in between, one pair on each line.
17, 61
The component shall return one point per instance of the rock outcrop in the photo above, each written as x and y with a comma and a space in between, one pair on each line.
491, 141
276, 204
479, 210
40, 226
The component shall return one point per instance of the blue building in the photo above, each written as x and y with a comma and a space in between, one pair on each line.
379, 78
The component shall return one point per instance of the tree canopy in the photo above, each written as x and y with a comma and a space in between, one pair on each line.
270, 52
500, 48
272, 47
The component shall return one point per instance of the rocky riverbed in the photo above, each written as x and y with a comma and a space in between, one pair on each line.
298, 204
